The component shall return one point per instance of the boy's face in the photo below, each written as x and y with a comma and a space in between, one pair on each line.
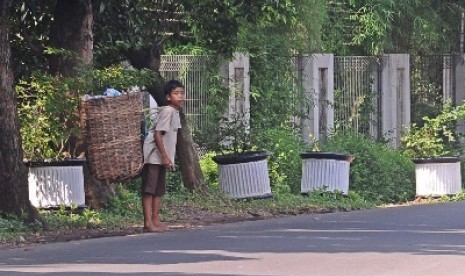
176, 97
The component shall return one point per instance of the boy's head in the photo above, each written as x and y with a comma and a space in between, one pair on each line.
171, 85
174, 93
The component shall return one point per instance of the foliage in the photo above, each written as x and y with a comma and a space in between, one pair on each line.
118, 77
48, 107
72, 217
391, 26
227, 129
438, 136
284, 163
30, 22
125, 202
210, 170
426, 79
276, 94
378, 173
46, 110
358, 27
188, 49
425, 27
12, 223
124, 26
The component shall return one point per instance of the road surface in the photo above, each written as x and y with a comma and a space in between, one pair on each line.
426, 240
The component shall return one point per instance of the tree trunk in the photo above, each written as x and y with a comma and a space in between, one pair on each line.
192, 175
71, 31
185, 150
14, 193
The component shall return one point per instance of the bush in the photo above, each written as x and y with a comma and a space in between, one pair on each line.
210, 170
125, 202
284, 163
377, 173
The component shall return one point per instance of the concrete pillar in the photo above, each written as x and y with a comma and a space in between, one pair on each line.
458, 65
458, 73
236, 74
318, 85
395, 98
239, 84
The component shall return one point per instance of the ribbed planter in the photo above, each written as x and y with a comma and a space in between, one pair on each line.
52, 184
437, 176
244, 175
325, 170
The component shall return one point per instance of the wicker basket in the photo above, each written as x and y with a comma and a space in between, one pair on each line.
112, 132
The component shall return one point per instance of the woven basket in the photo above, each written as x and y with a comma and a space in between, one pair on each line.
112, 132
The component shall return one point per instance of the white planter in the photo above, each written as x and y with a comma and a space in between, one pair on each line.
245, 175
56, 183
325, 170
437, 176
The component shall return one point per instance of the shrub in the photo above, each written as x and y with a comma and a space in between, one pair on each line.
210, 170
438, 136
378, 172
284, 163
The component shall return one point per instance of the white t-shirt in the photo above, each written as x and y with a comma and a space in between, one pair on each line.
168, 121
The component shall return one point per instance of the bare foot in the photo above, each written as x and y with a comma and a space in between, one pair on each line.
153, 230
159, 229
160, 226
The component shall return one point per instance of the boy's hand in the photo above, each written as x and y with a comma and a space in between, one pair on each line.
168, 164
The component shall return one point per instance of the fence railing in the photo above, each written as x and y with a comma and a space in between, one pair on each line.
356, 93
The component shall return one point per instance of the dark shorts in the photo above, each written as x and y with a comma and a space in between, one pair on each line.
154, 179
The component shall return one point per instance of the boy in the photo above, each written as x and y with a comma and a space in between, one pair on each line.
159, 152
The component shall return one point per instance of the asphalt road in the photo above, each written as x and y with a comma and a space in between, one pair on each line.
406, 241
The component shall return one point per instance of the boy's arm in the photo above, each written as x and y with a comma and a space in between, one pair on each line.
166, 162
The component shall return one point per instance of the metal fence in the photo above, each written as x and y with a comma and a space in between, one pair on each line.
357, 94
431, 78
357, 89
298, 64
193, 72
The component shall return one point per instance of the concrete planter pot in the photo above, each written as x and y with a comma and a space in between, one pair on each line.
244, 175
325, 170
52, 184
437, 176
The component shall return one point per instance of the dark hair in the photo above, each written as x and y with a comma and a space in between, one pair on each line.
171, 85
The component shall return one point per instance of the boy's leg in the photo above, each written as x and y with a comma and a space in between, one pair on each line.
157, 225
149, 179
147, 203
157, 200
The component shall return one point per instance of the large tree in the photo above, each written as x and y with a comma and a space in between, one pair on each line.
72, 31
14, 195
72, 41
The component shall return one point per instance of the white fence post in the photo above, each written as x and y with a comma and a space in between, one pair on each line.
318, 84
239, 84
458, 71
395, 100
